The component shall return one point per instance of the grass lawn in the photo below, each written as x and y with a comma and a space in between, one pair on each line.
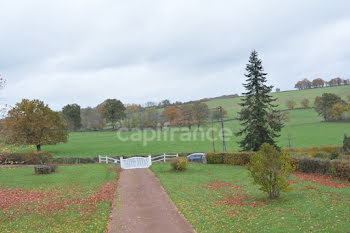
220, 198
75, 199
304, 128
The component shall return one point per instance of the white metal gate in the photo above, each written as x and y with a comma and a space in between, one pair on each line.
135, 162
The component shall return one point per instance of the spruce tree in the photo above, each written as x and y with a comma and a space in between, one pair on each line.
261, 122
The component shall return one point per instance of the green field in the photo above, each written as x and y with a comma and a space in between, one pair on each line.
232, 107
304, 129
219, 198
74, 199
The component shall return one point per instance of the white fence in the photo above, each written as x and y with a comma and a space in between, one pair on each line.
136, 162
106, 159
163, 158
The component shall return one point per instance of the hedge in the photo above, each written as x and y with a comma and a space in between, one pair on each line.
26, 158
233, 158
315, 151
336, 168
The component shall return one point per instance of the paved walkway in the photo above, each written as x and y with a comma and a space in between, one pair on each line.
144, 207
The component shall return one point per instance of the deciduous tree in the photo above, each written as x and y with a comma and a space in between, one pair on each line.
216, 113
91, 119
113, 111
173, 115
200, 113
290, 104
318, 82
305, 103
323, 105
188, 115
261, 122
132, 116
33, 123
337, 111
71, 113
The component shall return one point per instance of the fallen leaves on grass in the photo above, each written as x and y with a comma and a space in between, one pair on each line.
321, 179
242, 199
217, 184
293, 182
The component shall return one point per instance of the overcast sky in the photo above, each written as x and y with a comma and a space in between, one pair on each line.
86, 51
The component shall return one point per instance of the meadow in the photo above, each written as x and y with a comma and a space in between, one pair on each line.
74, 199
305, 128
220, 198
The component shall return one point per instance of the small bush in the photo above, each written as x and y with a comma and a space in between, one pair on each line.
346, 144
334, 155
45, 169
269, 169
321, 154
179, 163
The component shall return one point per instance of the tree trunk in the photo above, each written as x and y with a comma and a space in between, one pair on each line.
38, 147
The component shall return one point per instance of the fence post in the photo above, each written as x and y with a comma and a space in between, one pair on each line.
99, 159
164, 157
177, 155
149, 160
121, 162
106, 159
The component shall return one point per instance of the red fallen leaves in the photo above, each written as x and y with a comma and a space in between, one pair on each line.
321, 179
239, 198
10, 198
293, 182
30, 201
242, 199
217, 184
310, 187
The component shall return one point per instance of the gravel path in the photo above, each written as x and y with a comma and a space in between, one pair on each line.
144, 207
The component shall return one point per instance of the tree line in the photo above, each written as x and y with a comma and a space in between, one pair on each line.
319, 82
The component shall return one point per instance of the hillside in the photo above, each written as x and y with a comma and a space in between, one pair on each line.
304, 129
232, 104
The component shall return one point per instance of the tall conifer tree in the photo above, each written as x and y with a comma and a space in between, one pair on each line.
261, 122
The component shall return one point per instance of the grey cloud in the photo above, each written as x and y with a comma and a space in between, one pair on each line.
86, 51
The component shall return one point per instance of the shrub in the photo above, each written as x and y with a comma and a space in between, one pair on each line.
232, 158
269, 169
340, 168
179, 164
290, 104
346, 144
321, 154
26, 158
334, 155
45, 169
305, 103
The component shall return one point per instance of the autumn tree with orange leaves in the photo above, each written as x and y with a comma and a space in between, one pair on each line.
31, 122
173, 115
